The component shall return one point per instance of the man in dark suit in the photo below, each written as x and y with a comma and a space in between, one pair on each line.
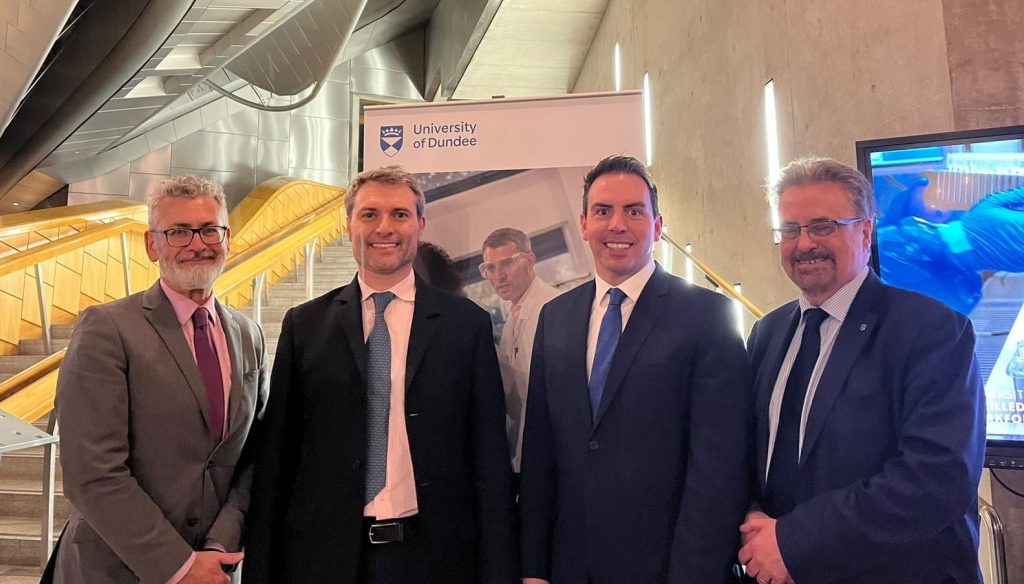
635, 457
385, 458
156, 398
870, 425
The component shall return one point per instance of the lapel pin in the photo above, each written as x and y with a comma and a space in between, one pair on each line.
863, 327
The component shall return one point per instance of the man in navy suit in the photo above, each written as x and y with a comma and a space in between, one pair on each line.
635, 458
870, 426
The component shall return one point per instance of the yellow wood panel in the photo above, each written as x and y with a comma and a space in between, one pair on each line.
114, 286
93, 278
33, 401
28, 221
67, 285
13, 283
98, 250
10, 318
72, 260
137, 248
30, 302
18, 242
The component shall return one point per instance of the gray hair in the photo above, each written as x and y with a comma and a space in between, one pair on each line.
186, 186
389, 175
813, 170
505, 236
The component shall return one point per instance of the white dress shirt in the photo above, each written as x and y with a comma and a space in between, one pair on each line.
632, 287
837, 307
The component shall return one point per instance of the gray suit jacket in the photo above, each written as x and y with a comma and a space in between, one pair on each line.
147, 481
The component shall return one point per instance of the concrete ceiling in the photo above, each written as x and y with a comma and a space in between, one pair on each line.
532, 47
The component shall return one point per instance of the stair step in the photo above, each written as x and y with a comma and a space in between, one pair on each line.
25, 465
37, 346
22, 504
20, 574
61, 331
16, 363
19, 541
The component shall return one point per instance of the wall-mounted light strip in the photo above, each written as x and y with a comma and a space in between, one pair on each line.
665, 254
689, 263
737, 308
648, 138
771, 132
618, 68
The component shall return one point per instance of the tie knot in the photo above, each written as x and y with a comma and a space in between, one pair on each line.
615, 297
381, 301
201, 317
813, 317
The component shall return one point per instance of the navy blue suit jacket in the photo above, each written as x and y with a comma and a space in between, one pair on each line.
654, 492
893, 446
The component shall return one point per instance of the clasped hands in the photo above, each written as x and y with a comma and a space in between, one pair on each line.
760, 552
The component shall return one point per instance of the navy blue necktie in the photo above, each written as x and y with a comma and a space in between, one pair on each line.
607, 340
378, 396
785, 465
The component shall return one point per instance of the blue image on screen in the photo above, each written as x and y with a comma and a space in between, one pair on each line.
951, 225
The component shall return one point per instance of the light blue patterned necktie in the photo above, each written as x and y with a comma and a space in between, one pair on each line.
607, 340
378, 396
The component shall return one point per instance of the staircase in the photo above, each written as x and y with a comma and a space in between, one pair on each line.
21, 472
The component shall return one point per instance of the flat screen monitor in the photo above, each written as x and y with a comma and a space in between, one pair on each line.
951, 225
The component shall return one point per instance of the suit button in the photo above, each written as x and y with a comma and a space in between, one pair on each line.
356, 464
192, 522
593, 445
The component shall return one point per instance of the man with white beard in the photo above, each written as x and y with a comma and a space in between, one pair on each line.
156, 397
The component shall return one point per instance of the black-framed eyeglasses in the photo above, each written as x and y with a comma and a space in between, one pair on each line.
816, 228
489, 269
182, 236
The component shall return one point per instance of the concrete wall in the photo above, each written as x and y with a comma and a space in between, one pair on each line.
843, 71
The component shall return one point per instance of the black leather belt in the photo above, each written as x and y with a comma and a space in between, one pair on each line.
388, 530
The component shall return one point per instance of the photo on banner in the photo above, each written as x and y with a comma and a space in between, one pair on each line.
508, 163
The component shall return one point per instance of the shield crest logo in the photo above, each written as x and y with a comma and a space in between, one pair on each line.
391, 139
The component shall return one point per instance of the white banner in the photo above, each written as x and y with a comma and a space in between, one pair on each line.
497, 134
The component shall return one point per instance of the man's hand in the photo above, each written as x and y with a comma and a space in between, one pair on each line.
209, 568
535, 581
745, 536
760, 552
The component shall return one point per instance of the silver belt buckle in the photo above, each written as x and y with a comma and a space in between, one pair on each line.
375, 526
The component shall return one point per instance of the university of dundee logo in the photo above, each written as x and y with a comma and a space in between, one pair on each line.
391, 139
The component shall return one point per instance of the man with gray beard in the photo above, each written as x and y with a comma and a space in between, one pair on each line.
156, 397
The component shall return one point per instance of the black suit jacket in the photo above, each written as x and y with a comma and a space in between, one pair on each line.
656, 490
893, 446
307, 505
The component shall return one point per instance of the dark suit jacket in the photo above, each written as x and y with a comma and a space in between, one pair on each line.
307, 506
893, 447
654, 492
148, 482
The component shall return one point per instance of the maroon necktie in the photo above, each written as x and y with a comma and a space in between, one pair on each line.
209, 368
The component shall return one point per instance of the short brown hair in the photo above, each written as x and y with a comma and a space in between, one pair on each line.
506, 235
389, 175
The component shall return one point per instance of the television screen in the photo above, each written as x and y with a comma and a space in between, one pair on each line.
951, 225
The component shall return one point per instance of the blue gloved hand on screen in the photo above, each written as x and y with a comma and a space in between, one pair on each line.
995, 231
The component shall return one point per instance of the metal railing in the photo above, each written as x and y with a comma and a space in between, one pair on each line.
993, 527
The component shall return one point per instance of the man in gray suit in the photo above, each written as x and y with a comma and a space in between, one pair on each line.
157, 394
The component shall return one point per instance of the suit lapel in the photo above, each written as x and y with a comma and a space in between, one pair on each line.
161, 316
638, 329
350, 299
853, 336
577, 326
425, 320
767, 375
234, 337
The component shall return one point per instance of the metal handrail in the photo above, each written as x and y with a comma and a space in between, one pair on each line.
990, 517
719, 281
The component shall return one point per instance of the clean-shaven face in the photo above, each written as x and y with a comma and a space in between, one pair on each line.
620, 226
384, 229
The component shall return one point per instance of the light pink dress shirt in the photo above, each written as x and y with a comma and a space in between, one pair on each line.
183, 309
398, 497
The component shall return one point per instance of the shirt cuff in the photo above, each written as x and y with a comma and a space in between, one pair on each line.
214, 545
183, 570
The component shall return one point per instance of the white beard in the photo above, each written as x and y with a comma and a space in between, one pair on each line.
189, 277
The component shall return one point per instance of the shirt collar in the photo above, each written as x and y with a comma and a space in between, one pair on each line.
185, 306
838, 305
403, 290
633, 285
